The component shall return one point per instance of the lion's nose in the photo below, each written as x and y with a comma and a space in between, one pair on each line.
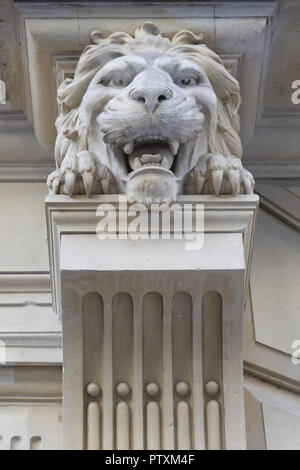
150, 97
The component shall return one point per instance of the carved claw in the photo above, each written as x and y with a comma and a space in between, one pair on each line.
234, 180
55, 186
88, 180
216, 164
87, 169
69, 172
105, 182
224, 175
199, 182
69, 184
81, 174
199, 176
248, 182
234, 173
53, 182
217, 178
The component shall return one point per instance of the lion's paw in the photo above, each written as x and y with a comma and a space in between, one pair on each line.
216, 174
81, 174
54, 181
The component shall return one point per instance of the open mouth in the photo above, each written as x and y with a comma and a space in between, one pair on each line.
151, 152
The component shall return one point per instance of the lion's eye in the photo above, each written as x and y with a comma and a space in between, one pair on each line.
191, 81
114, 82
117, 82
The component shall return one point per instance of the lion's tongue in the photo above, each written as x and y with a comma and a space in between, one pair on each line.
151, 154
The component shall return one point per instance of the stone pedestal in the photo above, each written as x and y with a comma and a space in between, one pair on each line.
152, 329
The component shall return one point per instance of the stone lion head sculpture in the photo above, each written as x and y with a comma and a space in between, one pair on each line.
151, 117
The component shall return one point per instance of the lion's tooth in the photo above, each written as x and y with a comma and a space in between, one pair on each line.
148, 158
165, 162
128, 148
174, 145
137, 163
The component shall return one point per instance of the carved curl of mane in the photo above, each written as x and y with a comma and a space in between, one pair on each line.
224, 139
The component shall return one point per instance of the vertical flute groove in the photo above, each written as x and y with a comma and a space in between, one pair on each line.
168, 400
183, 426
153, 426
198, 404
122, 426
35, 443
152, 309
92, 328
213, 425
16, 443
138, 405
93, 426
108, 435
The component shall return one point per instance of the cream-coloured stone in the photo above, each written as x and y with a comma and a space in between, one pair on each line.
150, 117
163, 324
276, 250
30, 426
152, 389
30, 407
282, 428
240, 32
2, 92
123, 389
212, 387
93, 390
182, 388
274, 145
272, 416
23, 243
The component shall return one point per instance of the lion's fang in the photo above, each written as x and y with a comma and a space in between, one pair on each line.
128, 148
174, 145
